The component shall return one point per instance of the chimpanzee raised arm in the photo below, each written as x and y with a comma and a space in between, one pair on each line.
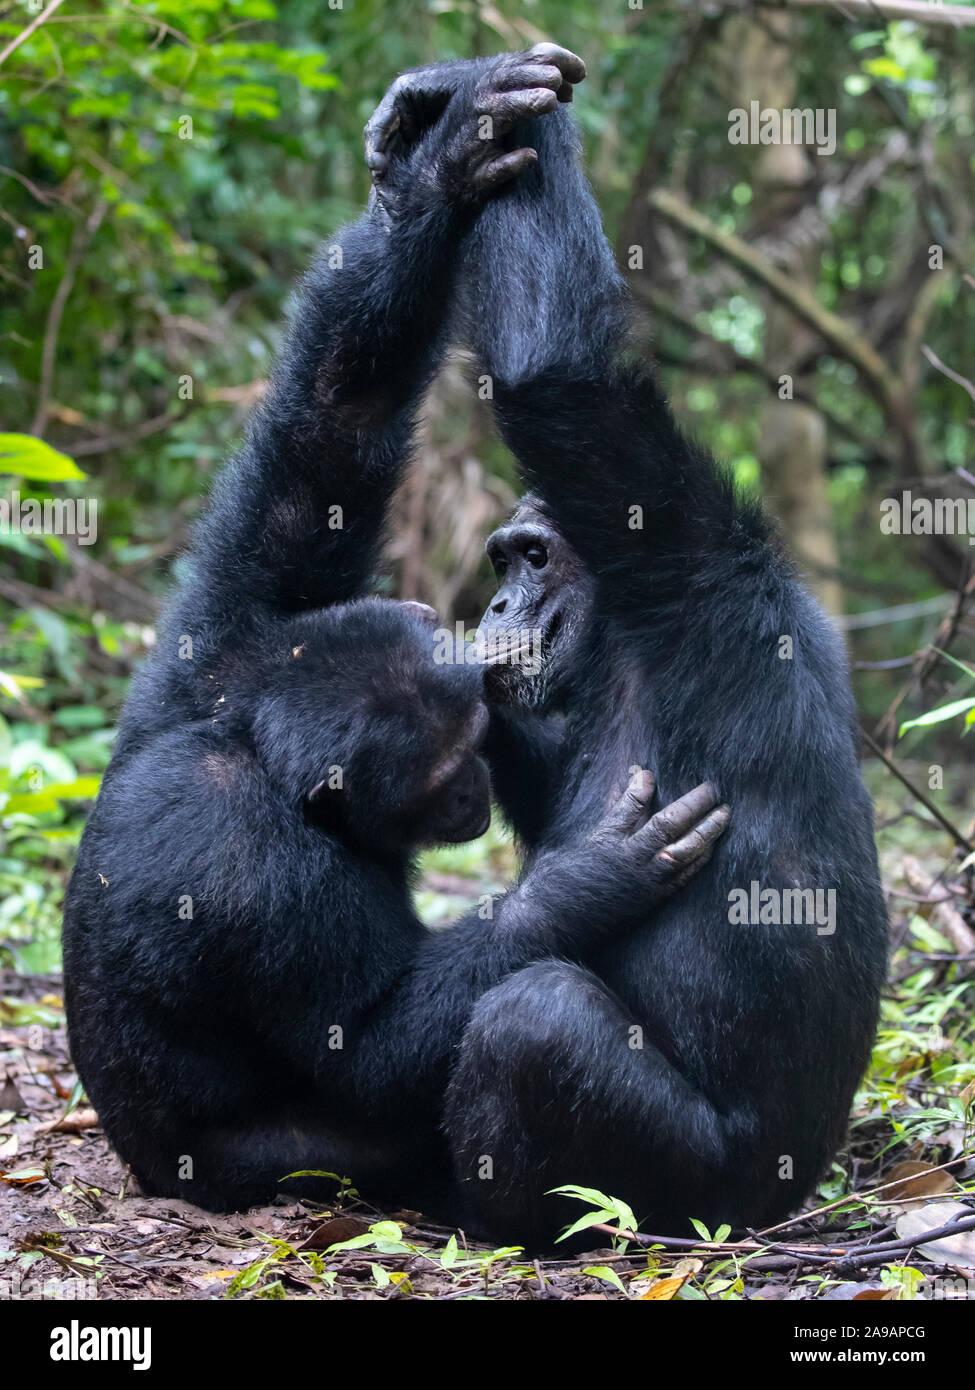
249, 990
675, 635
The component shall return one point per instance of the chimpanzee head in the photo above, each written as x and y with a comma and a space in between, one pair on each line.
376, 740
534, 626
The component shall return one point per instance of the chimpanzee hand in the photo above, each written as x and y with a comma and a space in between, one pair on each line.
631, 862
444, 126
666, 849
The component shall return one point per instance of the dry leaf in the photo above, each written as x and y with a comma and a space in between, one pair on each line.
663, 1288
10, 1097
915, 1181
949, 1250
336, 1229
85, 1118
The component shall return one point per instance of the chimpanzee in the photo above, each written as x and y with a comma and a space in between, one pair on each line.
249, 991
704, 1064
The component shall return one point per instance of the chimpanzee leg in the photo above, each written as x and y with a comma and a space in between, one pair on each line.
227, 1166
555, 1084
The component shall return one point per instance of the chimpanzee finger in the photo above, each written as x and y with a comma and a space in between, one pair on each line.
630, 811
679, 817
527, 75
505, 167
693, 868
571, 66
692, 848
508, 109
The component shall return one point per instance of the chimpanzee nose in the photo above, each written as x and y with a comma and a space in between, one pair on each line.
500, 606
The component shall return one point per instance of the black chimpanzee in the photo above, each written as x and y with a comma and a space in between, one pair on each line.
249, 991
703, 1065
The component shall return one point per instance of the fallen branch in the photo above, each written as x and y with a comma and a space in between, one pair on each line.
859, 1252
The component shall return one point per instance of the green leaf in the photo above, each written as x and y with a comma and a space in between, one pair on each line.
23, 456
593, 1218
47, 798
604, 1272
937, 716
6, 744
884, 67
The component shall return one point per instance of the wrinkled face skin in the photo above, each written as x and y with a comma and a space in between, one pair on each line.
544, 594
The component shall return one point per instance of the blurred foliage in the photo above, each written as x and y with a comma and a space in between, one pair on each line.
165, 172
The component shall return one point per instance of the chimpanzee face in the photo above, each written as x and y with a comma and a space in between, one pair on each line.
533, 627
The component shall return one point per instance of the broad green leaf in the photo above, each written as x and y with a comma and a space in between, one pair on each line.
26, 457
604, 1272
593, 1218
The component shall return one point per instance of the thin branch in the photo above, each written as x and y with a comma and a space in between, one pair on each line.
79, 245
46, 198
26, 33
927, 659
123, 438
920, 11
956, 377
916, 792
883, 383
737, 361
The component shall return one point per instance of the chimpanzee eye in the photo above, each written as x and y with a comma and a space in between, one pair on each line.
500, 566
537, 556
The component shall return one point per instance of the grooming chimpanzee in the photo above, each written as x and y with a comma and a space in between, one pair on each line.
249, 991
699, 1066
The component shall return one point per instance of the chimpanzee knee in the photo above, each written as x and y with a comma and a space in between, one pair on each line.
531, 1056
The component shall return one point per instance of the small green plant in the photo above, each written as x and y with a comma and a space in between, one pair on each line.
605, 1211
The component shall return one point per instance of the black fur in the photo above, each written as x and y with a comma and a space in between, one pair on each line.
249, 991
753, 1037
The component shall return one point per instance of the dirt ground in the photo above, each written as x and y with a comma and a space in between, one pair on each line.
73, 1224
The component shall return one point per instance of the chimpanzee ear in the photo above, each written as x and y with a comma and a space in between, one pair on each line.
422, 610
469, 739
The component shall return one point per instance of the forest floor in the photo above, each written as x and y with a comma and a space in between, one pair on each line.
73, 1223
